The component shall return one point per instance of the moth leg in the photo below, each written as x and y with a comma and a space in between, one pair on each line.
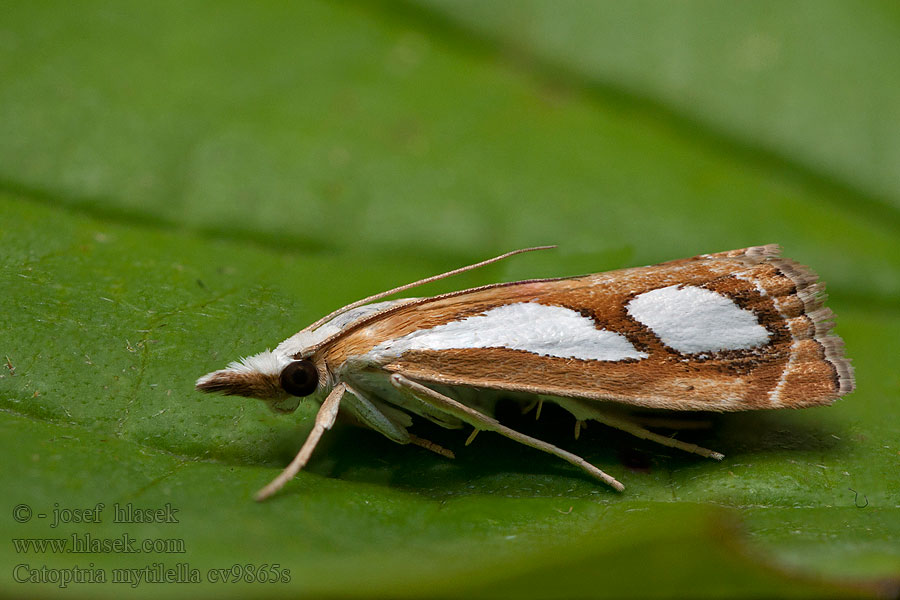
364, 410
645, 434
582, 411
482, 421
324, 420
372, 416
529, 407
429, 445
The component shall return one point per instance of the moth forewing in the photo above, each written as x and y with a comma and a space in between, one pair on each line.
731, 331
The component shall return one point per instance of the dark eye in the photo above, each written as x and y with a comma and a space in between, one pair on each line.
300, 378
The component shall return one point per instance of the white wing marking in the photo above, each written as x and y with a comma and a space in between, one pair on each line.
536, 328
690, 319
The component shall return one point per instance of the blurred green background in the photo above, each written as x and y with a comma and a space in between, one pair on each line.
182, 184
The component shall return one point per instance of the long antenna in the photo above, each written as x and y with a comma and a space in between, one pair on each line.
407, 286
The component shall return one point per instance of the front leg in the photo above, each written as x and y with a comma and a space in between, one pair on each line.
481, 421
324, 420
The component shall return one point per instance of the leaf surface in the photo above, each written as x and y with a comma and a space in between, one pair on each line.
185, 184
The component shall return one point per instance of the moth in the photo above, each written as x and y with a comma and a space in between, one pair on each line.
731, 331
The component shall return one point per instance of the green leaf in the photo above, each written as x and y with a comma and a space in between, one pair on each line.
801, 85
185, 184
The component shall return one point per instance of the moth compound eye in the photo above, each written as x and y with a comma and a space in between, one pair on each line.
300, 378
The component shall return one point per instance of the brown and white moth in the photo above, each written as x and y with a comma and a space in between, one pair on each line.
738, 330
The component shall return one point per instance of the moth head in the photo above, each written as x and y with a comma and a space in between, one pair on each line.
278, 380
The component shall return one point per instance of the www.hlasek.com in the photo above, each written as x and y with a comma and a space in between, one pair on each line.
155, 573
85, 543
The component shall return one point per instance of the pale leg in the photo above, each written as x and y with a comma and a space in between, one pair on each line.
638, 431
482, 421
324, 420
583, 410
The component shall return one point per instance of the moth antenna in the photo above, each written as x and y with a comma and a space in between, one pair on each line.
407, 286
